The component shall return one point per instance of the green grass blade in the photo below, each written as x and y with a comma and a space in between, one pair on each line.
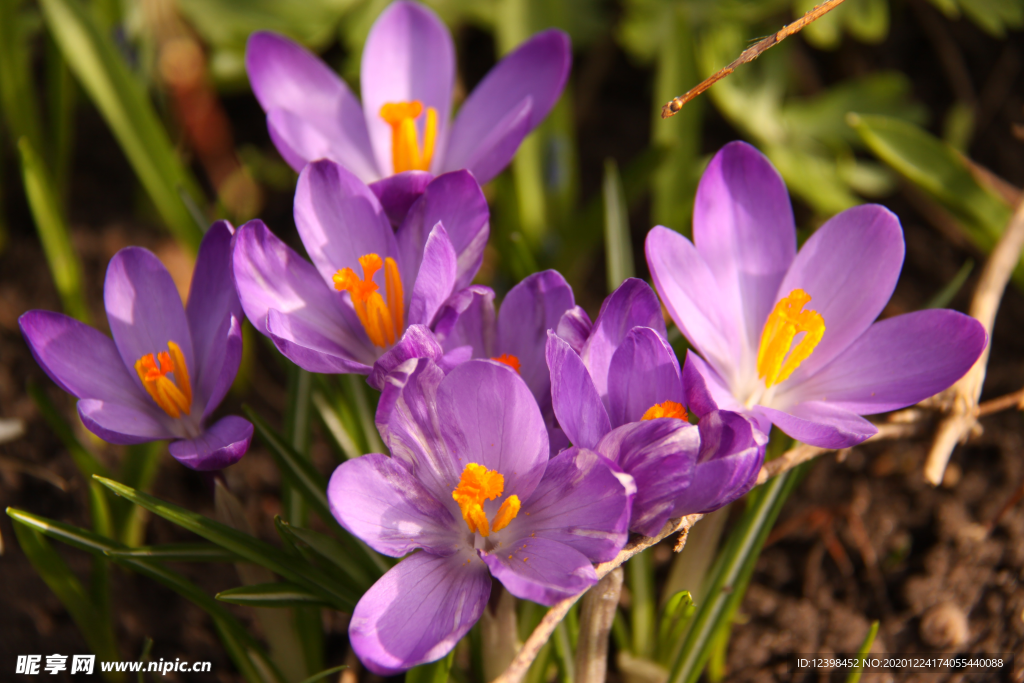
18, 101
865, 648
178, 552
276, 594
435, 672
946, 294
640, 575
325, 673
125, 106
331, 550
618, 245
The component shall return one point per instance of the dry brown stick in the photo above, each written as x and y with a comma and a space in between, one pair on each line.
962, 416
749, 55
1014, 400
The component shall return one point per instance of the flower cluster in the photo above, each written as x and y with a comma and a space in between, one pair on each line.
525, 442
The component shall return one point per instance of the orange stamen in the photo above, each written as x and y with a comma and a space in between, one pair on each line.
383, 322
406, 154
174, 397
666, 409
775, 361
509, 360
477, 485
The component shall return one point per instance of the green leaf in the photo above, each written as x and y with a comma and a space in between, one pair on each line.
946, 294
865, 648
178, 552
245, 546
435, 672
125, 106
17, 97
675, 617
640, 576
617, 241
331, 550
324, 674
277, 594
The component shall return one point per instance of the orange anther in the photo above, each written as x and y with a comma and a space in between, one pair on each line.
383, 321
479, 484
666, 409
775, 361
406, 154
509, 360
174, 398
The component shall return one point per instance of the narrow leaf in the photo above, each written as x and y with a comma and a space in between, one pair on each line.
617, 243
276, 594
435, 672
331, 550
178, 552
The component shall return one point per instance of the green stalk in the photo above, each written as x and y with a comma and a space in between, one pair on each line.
640, 574
618, 245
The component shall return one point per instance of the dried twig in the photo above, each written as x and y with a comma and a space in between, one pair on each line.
963, 413
1014, 400
749, 55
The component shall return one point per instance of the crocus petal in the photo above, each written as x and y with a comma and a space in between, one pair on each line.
214, 317
849, 267
644, 371
378, 500
660, 455
536, 70
221, 445
269, 275
743, 228
418, 611
455, 200
699, 398
690, 293
286, 78
408, 56
436, 278
306, 344
577, 405
583, 501
541, 570
417, 342
631, 305
821, 424
123, 424
143, 308
574, 327
731, 455
495, 151
488, 416
82, 361
397, 193
468, 319
528, 311
340, 219
898, 362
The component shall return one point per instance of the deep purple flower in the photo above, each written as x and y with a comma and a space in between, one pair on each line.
617, 389
401, 132
789, 338
371, 293
167, 368
470, 486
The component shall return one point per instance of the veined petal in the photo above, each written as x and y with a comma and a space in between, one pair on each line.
468, 319
397, 193
435, 279
408, 56
418, 611
577, 405
123, 424
504, 135
575, 327
305, 343
221, 445
731, 454
644, 371
706, 391
821, 424
541, 570
380, 501
417, 342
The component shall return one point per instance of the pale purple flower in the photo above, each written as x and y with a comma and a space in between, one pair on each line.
328, 316
408, 65
167, 368
617, 389
470, 487
790, 338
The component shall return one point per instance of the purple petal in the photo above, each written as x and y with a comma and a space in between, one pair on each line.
743, 229
583, 501
574, 327
215, 318
269, 276
468, 319
82, 361
124, 424
643, 372
698, 385
221, 445
821, 424
528, 311
305, 343
339, 219
490, 157
537, 70
577, 405
541, 570
435, 278
417, 342
690, 293
632, 304
408, 56
849, 267
660, 455
488, 416
898, 362
380, 501
144, 309
309, 107
456, 201
731, 455
418, 611
397, 193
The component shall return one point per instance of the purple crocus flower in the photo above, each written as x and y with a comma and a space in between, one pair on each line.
367, 301
789, 338
401, 135
470, 486
617, 389
167, 368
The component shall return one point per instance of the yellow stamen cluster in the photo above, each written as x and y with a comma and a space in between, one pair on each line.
405, 147
174, 397
383, 322
666, 409
775, 360
509, 360
477, 485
